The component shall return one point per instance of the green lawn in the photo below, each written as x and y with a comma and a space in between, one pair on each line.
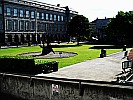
85, 52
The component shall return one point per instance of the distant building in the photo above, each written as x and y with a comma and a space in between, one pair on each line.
98, 27
23, 21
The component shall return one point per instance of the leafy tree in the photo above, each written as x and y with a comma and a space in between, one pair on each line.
120, 28
79, 27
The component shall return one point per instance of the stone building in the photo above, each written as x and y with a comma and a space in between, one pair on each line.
98, 27
24, 21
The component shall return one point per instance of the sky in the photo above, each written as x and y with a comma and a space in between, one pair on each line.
93, 9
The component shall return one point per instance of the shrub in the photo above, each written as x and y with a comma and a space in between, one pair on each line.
46, 66
26, 65
17, 64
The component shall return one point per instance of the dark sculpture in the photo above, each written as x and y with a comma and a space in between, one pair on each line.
46, 49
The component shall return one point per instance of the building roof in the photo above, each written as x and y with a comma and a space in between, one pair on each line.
41, 5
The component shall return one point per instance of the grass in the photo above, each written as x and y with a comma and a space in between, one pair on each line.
85, 52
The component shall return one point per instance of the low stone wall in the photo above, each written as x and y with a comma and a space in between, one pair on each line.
35, 88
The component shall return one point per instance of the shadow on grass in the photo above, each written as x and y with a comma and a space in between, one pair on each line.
106, 47
63, 46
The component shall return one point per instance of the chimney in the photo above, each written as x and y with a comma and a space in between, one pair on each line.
58, 5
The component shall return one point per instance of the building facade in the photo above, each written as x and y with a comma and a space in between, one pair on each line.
98, 27
23, 21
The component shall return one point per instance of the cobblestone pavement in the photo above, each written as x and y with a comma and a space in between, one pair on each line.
99, 69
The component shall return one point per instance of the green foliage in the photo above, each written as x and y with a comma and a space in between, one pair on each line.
79, 26
120, 28
26, 65
42, 66
16, 64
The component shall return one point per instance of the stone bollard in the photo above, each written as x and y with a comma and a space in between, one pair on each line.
103, 53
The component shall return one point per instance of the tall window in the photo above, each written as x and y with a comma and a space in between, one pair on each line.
51, 17
37, 15
15, 25
43, 27
32, 14
8, 11
58, 27
32, 25
21, 13
0, 10
46, 27
9, 25
54, 17
21, 25
27, 14
47, 17
15, 12
42, 15
62, 18
38, 26
58, 18
27, 25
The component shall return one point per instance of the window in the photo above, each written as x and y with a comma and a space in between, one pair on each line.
32, 25
47, 17
58, 27
15, 25
27, 25
21, 13
58, 18
42, 15
43, 27
38, 26
62, 18
46, 27
27, 14
55, 27
8, 11
21, 25
9, 25
51, 17
15, 12
37, 15
54, 17
32, 14
0, 10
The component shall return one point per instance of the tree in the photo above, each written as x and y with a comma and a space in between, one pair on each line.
119, 30
79, 27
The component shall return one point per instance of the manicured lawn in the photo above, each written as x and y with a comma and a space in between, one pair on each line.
85, 52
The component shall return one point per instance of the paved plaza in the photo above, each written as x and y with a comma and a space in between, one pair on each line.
99, 69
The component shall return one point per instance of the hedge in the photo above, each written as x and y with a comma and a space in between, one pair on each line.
26, 65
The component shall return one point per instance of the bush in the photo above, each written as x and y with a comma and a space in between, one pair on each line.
26, 65
17, 64
46, 66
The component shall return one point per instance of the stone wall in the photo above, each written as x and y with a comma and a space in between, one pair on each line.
35, 88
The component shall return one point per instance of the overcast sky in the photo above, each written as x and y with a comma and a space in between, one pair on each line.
95, 8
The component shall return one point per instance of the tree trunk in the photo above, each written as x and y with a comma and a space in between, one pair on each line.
78, 40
